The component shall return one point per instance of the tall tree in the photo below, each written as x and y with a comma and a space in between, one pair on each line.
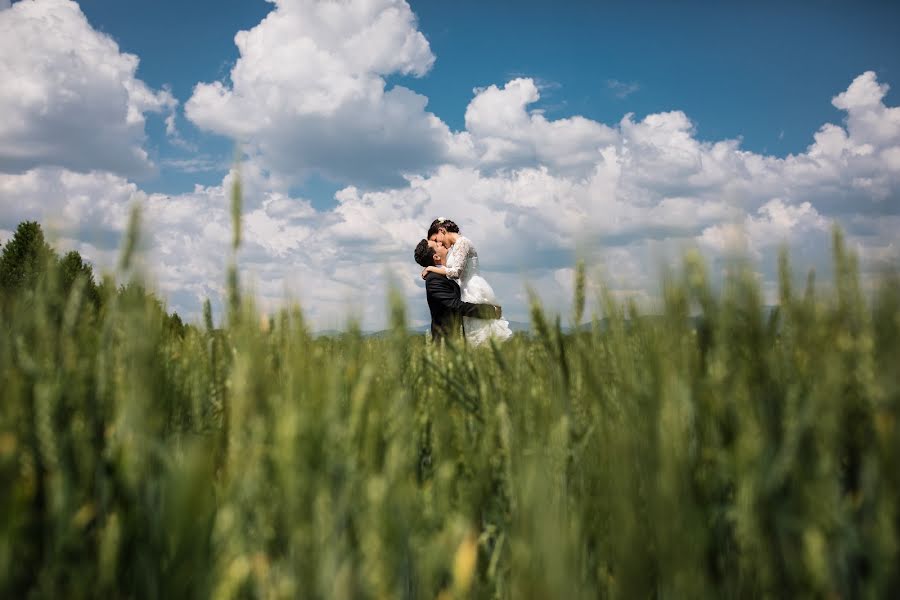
71, 267
24, 257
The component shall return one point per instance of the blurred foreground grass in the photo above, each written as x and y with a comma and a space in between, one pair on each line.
718, 450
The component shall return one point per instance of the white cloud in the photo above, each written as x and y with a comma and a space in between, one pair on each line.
505, 134
69, 97
288, 250
653, 192
89, 207
852, 169
775, 223
308, 92
868, 118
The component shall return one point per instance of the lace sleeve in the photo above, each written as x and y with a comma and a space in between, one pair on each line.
458, 257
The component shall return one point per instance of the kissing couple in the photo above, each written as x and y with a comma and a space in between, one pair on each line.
461, 301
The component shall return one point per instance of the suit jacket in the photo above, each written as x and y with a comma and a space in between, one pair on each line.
447, 309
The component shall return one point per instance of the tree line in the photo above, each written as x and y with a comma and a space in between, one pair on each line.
29, 265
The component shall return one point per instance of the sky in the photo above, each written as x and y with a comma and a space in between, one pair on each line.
621, 133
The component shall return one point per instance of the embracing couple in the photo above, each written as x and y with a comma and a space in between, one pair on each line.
461, 301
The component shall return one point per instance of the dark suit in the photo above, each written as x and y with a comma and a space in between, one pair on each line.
447, 310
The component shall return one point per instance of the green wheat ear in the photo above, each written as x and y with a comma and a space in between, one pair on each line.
236, 208
131, 238
233, 284
704, 453
580, 278
207, 315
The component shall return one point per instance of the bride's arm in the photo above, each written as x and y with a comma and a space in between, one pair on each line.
434, 269
457, 257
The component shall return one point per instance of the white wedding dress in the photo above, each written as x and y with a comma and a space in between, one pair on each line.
462, 265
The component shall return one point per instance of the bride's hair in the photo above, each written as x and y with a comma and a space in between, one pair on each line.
424, 254
445, 223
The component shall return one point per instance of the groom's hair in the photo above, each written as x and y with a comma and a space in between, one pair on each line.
445, 223
424, 254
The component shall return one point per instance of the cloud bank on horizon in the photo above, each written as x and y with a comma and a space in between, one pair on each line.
309, 94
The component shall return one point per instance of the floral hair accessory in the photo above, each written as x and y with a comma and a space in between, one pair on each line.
441, 219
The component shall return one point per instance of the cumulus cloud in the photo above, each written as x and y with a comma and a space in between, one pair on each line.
869, 120
654, 189
90, 210
289, 250
308, 93
775, 224
852, 169
505, 134
69, 96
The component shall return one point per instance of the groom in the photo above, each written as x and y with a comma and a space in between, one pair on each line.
442, 293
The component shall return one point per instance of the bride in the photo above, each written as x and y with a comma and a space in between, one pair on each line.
462, 265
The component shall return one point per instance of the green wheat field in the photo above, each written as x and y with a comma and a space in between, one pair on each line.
717, 449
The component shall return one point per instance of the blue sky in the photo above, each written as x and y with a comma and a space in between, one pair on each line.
759, 71
623, 132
